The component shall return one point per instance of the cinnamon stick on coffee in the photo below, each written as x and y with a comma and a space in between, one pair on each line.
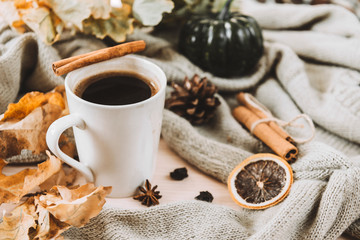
253, 105
266, 134
69, 64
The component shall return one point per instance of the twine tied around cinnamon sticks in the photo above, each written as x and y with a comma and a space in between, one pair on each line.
69, 64
260, 121
289, 123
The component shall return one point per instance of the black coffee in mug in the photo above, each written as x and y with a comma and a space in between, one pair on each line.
116, 88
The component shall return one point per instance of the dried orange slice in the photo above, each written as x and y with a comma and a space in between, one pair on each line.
260, 181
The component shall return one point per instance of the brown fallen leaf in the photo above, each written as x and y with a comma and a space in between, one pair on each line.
46, 216
31, 101
49, 227
75, 206
63, 178
29, 133
45, 171
25, 124
20, 222
11, 187
14, 187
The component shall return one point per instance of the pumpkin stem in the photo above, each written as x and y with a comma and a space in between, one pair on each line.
225, 10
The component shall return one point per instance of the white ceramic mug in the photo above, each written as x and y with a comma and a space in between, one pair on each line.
117, 145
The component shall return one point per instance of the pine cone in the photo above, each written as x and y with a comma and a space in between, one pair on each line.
194, 100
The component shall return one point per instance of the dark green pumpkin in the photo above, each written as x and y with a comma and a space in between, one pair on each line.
225, 44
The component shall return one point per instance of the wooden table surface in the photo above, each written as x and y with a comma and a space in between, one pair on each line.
172, 190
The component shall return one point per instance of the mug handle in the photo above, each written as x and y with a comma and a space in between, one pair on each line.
52, 139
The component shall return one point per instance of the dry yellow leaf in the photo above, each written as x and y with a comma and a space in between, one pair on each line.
26, 104
47, 215
14, 187
31, 101
45, 171
29, 133
11, 187
150, 13
41, 20
49, 227
75, 206
23, 4
10, 14
19, 25
117, 27
21, 223
49, 18
75, 12
65, 177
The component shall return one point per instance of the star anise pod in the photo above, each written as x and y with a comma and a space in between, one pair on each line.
194, 100
148, 195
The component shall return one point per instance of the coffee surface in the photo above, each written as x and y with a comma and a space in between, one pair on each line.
115, 89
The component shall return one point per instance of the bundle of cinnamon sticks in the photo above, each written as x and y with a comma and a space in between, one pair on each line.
255, 117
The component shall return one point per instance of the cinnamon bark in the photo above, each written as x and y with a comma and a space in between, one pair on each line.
266, 134
69, 64
248, 101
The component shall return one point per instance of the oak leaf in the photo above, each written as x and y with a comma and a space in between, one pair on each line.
65, 177
42, 21
118, 26
25, 123
20, 223
75, 206
149, 12
33, 100
75, 12
49, 227
47, 215
14, 187
10, 14
50, 18
29, 133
